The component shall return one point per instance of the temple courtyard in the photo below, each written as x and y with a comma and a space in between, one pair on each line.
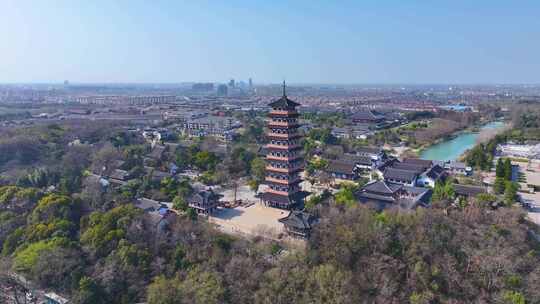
250, 218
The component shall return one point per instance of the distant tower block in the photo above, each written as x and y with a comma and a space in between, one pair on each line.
284, 160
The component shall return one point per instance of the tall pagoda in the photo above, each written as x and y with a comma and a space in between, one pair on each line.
284, 160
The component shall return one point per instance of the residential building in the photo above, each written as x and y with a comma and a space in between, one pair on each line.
217, 126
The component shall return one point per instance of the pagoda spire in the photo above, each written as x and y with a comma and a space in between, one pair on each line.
284, 86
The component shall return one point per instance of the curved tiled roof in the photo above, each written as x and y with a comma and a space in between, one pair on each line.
399, 174
382, 187
298, 219
283, 102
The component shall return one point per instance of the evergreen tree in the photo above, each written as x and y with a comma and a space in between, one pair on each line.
500, 168
443, 191
507, 169
510, 192
499, 185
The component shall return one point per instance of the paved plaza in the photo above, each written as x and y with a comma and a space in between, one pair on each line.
251, 218
254, 219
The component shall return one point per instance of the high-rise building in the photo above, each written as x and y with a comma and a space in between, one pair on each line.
232, 83
284, 160
202, 87
250, 83
222, 90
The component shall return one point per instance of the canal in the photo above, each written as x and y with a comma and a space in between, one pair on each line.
453, 148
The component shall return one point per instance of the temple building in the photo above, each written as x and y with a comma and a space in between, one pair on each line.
298, 223
284, 160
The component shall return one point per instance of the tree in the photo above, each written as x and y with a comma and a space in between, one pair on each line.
253, 185
510, 192
26, 259
169, 187
201, 286
313, 201
500, 185
59, 268
499, 169
103, 160
53, 207
192, 214
507, 169
102, 231
89, 292
258, 169
345, 196
326, 284
164, 291
485, 198
514, 297
205, 160
179, 203
443, 191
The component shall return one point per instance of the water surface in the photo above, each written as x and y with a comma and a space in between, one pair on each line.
453, 148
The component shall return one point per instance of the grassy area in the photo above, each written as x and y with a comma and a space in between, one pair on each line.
519, 160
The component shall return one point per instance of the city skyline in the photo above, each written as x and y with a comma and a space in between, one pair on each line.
486, 42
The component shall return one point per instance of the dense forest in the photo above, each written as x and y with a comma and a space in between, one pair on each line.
442, 255
96, 247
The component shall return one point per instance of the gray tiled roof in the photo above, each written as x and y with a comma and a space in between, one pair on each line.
417, 161
435, 172
119, 174
468, 190
409, 167
283, 102
456, 165
298, 219
281, 199
368, 150
361, 160
398, 174
344, 167
381, 187
367, 115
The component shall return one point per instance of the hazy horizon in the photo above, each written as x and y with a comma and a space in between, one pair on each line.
305, 42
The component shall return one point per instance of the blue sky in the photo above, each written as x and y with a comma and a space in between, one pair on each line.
359, 41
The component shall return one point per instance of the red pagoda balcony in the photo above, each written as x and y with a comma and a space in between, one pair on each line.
283, 181
282, 124
282, 112
284, 193
285, 170
283, 136
283, 158
282, 147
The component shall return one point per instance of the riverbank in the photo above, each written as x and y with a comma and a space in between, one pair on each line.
461, 141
